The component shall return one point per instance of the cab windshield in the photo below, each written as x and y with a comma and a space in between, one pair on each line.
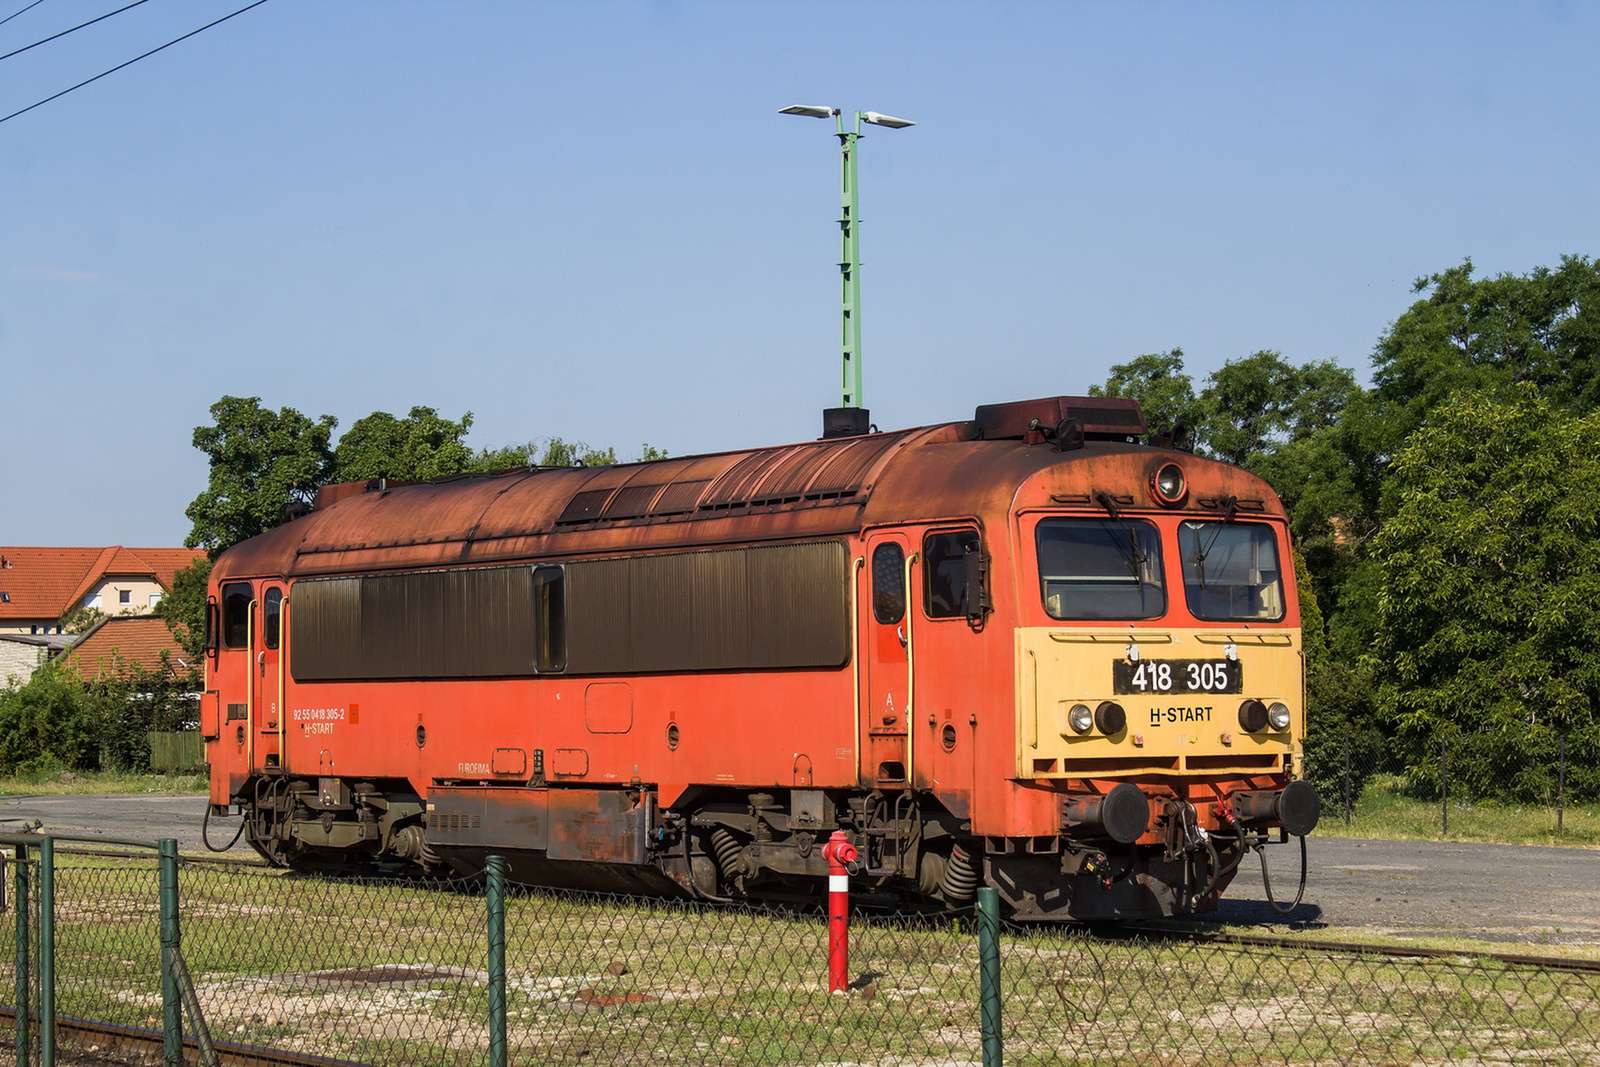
1230, 571
1100, 569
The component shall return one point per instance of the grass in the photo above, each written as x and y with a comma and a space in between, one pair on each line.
600, 980
100, 783
1384, 811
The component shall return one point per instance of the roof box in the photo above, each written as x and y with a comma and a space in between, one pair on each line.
1100, 416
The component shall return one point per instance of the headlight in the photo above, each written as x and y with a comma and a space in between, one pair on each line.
1170, 486
1080, 718
1278, 716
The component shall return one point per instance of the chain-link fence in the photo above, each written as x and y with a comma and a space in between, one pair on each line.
406, 973
1454, 786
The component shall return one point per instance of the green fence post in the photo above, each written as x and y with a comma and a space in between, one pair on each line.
496, 903
989, 974
496, 868
1444, 788
47, 953
21, 903
171, 1005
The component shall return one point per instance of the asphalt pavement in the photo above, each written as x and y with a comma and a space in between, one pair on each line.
1512, 893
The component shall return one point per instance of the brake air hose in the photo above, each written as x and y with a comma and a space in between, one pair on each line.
205, 825
1266, 879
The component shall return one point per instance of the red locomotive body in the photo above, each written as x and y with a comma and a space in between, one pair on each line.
1023, 650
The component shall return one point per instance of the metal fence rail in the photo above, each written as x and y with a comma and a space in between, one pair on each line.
464, 972
1447, 787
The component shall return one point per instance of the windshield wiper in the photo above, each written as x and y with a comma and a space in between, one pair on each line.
1200, 554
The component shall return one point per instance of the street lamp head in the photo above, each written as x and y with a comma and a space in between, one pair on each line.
813, 111
886, 120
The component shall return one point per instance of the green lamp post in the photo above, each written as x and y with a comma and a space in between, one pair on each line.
849, 417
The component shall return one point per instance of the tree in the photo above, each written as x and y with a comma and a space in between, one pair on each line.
1252, 407
261, 461
1157, 381
1488, 625
184, 608
420, 447
1469, 335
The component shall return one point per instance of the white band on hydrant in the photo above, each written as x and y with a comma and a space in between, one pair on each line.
838, 883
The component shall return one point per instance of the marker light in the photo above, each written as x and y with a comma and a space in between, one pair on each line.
1080, 718
1110, 718
1170, 485
1278, 715
1252, 716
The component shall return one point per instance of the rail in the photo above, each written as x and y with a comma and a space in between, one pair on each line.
114, 1038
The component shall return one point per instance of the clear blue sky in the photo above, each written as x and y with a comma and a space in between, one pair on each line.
588, 220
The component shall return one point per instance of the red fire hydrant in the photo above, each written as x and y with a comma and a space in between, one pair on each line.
838, 852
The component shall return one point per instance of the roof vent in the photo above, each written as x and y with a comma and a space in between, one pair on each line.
5, 598
1101, 417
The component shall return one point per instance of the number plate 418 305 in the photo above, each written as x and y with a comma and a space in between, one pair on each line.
1176, 676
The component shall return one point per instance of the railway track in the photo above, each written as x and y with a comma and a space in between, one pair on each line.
74, 1037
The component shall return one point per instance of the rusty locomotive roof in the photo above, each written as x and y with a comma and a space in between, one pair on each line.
811, 489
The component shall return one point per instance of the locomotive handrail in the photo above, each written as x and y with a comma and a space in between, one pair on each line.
911, 680
1117, 637
1278, 639
855, 657
283, 700
250, 687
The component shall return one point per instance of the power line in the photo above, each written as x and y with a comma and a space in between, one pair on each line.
74, 29
24, 11
132, 61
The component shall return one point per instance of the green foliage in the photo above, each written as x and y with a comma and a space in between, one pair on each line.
559, 453
261, 461
419, 447
1253, 408
60, 720
1489, 611
51, 719
1469, 336
80, 619
1157, 381
184, 608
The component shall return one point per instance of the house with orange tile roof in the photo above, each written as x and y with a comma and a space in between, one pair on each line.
40, 585
113, 646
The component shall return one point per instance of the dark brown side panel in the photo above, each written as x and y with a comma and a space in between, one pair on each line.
778, 606
434, 624
595, 825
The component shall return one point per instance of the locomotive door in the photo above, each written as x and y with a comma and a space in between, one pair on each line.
268, 664
885, 629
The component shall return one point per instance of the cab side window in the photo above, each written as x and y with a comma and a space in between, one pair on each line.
945, 572
236, 615
271, 616
889, 582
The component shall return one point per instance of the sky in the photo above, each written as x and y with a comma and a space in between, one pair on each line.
588, 220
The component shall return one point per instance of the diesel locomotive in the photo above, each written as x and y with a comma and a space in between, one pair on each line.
1042, 650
